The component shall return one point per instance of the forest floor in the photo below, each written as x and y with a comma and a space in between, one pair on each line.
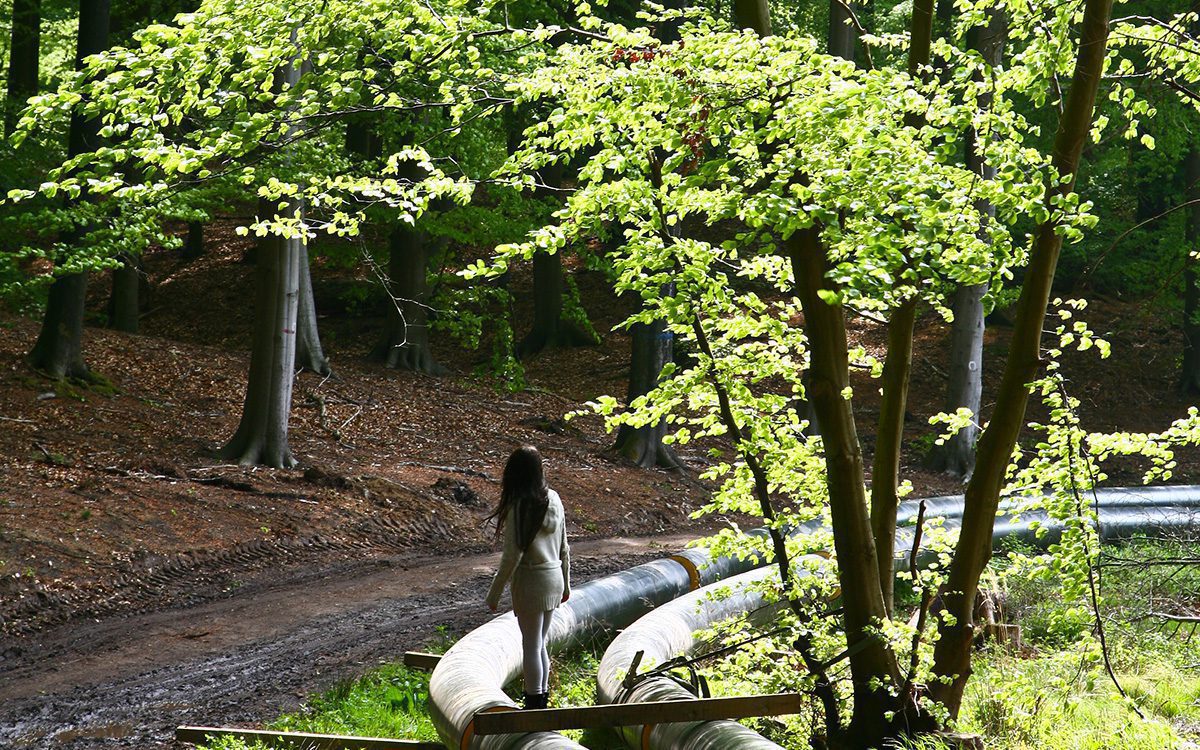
145, 583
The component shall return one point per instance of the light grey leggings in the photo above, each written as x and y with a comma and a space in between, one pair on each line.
535, 627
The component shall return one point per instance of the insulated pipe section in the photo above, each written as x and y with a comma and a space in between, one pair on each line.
470, 677
665, 633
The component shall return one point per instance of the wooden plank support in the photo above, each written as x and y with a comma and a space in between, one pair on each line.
632, 714
201, 735
420, 660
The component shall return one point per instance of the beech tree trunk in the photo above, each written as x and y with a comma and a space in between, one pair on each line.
405, 343
309, 354
752, 14
193, 246
23, 59
952, 654
652, 348
58, 351
550, 329
124, 307
262, 434
842, 36
858, 570
956, 456
1189, 375
889, 440
59, 348
897, 369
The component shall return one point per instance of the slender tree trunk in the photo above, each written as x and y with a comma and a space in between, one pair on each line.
965, 390
58, 351
842, 36
952, 655
550, 329
897, 370
405, 344
754, 15
262, 434
124, 307
652, 348
889, 440
309, 354
1189, 375
23, 59
956, 456
193, 246
858, 570
59, 348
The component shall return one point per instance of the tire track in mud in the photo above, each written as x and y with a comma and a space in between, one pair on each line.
126, 682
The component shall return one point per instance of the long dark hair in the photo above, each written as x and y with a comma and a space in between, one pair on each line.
524, 490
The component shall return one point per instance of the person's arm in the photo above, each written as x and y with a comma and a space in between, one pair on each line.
509, 559
564, 554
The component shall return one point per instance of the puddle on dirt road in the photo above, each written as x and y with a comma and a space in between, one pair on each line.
102, 732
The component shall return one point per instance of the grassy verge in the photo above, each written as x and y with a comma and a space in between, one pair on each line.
391, 701
1054, 693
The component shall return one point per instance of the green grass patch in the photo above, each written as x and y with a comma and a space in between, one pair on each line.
392, 701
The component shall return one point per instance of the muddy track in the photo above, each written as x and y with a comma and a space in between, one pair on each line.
127, 681
201, 576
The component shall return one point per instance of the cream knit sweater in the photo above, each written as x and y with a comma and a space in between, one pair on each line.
541, 575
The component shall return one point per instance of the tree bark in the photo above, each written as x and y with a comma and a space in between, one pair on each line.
262, 434
550, 329
309, 354
1189, 375
193, 246
952, 655
652, 349
956, 456
59, 349
889, 440
752, 14
842, 36
405, 343
858, 570
124, 306
23, 59
897, 370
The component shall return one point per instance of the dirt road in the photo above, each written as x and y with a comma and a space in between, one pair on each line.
126, 682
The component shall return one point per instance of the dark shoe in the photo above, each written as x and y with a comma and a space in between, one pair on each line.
536, 700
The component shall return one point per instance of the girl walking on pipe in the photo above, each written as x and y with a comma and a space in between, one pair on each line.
536, 558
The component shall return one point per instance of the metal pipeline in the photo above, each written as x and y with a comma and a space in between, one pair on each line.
470, 676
